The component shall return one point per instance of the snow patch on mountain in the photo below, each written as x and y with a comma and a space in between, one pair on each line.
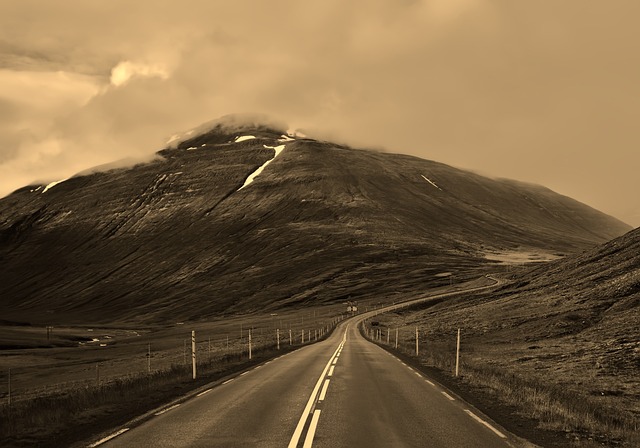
53, 184
431, 182
285, 138
252, 176
243, 138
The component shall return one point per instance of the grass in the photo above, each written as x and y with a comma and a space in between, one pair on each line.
77, 410
551, 406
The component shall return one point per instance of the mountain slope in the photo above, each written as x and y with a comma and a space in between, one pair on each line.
179, 238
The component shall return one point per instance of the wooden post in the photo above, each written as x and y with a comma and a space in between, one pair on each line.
458, 353
193, 353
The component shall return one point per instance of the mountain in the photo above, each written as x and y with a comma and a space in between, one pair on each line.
183, 237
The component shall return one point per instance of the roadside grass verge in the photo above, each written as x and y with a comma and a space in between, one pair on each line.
69, 416
578, 418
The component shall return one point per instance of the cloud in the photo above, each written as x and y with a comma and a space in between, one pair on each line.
126, 70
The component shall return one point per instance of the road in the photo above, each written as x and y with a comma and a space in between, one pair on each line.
341, 392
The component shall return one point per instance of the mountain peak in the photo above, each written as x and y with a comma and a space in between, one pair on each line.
229, 127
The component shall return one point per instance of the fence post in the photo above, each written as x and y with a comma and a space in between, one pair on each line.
193, 353
417, 339
458, 352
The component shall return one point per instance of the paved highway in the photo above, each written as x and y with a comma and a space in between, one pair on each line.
341, 392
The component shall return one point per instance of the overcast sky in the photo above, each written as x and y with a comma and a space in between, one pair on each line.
539, 91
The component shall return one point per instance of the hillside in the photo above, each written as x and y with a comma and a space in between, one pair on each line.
181, 238
571, 322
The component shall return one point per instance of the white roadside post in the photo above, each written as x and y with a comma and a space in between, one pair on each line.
396, 339
278, 337
302, 337
387, 335
249, 343
417, 352
290, 340
193, 353
458, 353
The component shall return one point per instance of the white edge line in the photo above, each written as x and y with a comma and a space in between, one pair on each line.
203, 392
228, 381
167, 409
244, 373
331, 371
429, 382
475, 417
448, 396
308, 441
106, 439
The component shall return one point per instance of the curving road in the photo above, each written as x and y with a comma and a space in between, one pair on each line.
341, 392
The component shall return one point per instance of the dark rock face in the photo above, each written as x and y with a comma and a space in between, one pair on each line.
178, 239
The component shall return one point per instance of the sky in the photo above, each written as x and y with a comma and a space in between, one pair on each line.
539, 91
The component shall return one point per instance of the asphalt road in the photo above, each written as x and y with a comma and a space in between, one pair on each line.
341, 392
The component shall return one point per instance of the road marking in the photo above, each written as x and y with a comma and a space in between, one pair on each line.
203, 392
418, 374
323, 393
228, 381
448, 396
308, 441
331, 371
106, 439
475, 417
167, 409
429, 382
244, 373
312, 399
